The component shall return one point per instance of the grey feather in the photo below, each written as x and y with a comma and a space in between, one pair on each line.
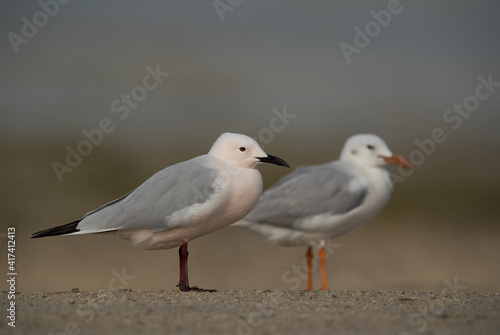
308, 191
170, 190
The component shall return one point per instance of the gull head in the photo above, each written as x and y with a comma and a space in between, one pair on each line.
371, 151
242, 151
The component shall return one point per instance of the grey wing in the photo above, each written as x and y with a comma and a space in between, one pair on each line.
153, 204
308, 191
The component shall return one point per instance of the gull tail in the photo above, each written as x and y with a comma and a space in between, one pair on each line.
69, 228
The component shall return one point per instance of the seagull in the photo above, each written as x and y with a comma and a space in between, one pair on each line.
183, 201
315, 204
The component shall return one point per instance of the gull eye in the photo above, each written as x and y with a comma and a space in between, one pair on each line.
370, 147
242, 149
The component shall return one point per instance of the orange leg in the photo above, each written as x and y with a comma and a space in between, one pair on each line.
309, 256
324, 282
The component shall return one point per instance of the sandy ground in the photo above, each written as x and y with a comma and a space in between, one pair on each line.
389, 277
255, 312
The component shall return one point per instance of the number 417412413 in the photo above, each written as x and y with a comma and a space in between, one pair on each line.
11, 248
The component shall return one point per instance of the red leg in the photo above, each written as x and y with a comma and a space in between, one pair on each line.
324, 282
183, 270
309, 256
183, 262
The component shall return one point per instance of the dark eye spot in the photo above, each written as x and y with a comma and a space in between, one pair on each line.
370, 147
243, 149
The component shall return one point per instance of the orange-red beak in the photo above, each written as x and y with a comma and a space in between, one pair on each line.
397, 160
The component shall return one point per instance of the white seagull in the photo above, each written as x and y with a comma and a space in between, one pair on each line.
184, 201
315, 204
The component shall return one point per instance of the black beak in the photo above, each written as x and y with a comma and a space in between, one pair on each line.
273, 160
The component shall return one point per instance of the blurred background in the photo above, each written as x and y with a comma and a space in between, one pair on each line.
297, 76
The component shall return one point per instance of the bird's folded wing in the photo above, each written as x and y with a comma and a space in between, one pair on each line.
326, 189
176, 189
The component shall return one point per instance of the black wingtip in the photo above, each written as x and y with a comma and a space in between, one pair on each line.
59, 230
